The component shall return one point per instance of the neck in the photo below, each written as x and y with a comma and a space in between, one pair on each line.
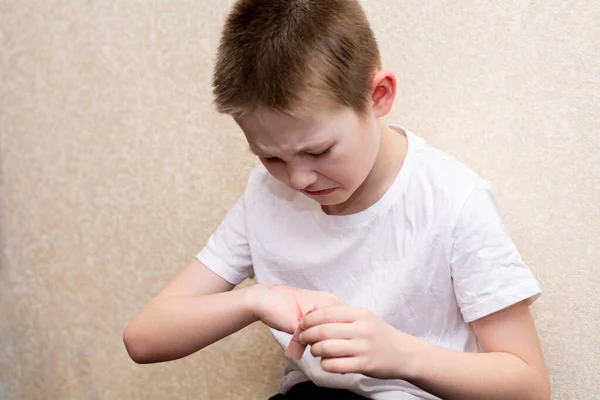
390, 158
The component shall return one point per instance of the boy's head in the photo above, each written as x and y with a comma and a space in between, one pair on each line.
303, 80
293, 55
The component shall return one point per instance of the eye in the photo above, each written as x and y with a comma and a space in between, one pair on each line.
271, 159
322, 153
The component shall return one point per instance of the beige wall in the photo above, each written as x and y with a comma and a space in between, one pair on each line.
115, 170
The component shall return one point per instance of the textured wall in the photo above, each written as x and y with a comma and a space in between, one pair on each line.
115, 170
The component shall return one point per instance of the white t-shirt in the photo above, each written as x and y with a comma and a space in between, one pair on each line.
429, 257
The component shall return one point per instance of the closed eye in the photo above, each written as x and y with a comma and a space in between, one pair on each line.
271, 159
322, 153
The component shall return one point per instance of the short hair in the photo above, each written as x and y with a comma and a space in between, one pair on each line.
286, 54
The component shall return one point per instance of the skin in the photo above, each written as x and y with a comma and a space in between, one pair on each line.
511, 367
358, 157
355, 155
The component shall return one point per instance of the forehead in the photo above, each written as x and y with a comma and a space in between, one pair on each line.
268, 129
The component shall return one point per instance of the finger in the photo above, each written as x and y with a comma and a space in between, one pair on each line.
334, 348
332, 314
342, 365
295, 348
328, 331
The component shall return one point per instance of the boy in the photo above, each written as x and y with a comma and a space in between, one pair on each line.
397, 249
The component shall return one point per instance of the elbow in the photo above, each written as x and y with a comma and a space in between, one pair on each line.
543, 391
543, 394
546, 391
137, 345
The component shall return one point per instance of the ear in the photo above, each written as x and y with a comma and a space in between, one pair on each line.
384, 92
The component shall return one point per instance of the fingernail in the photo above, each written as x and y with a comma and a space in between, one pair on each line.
300, 338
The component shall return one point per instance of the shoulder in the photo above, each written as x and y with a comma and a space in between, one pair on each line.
440, 177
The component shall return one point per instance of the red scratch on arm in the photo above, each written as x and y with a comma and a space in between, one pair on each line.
295, 349
298, 308
292, 291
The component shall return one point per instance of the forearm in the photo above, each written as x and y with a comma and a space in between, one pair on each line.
173, 327
452, 375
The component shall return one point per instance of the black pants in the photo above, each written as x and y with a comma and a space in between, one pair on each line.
308, 391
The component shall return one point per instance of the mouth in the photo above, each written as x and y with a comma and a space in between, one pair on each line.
319, 192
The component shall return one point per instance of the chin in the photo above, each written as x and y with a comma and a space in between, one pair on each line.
331, 201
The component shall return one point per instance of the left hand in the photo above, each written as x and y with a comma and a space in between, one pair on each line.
354, 340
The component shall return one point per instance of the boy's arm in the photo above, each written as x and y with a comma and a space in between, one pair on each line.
512, 366
488, 275
196, 309
354, 340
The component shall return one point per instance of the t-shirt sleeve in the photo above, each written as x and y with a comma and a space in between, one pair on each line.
487, 270
227, 252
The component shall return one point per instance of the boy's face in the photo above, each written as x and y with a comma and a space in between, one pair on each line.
327, 156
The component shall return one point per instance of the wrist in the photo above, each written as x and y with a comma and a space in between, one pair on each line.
251, 300
414, 353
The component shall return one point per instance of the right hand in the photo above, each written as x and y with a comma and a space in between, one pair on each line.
282, 307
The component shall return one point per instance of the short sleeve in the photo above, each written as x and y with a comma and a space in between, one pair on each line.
227, 252
488, 272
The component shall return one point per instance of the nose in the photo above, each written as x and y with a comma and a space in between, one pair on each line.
300, 177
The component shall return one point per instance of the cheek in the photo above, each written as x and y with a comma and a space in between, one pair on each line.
276, 170
357, 161
344, 167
